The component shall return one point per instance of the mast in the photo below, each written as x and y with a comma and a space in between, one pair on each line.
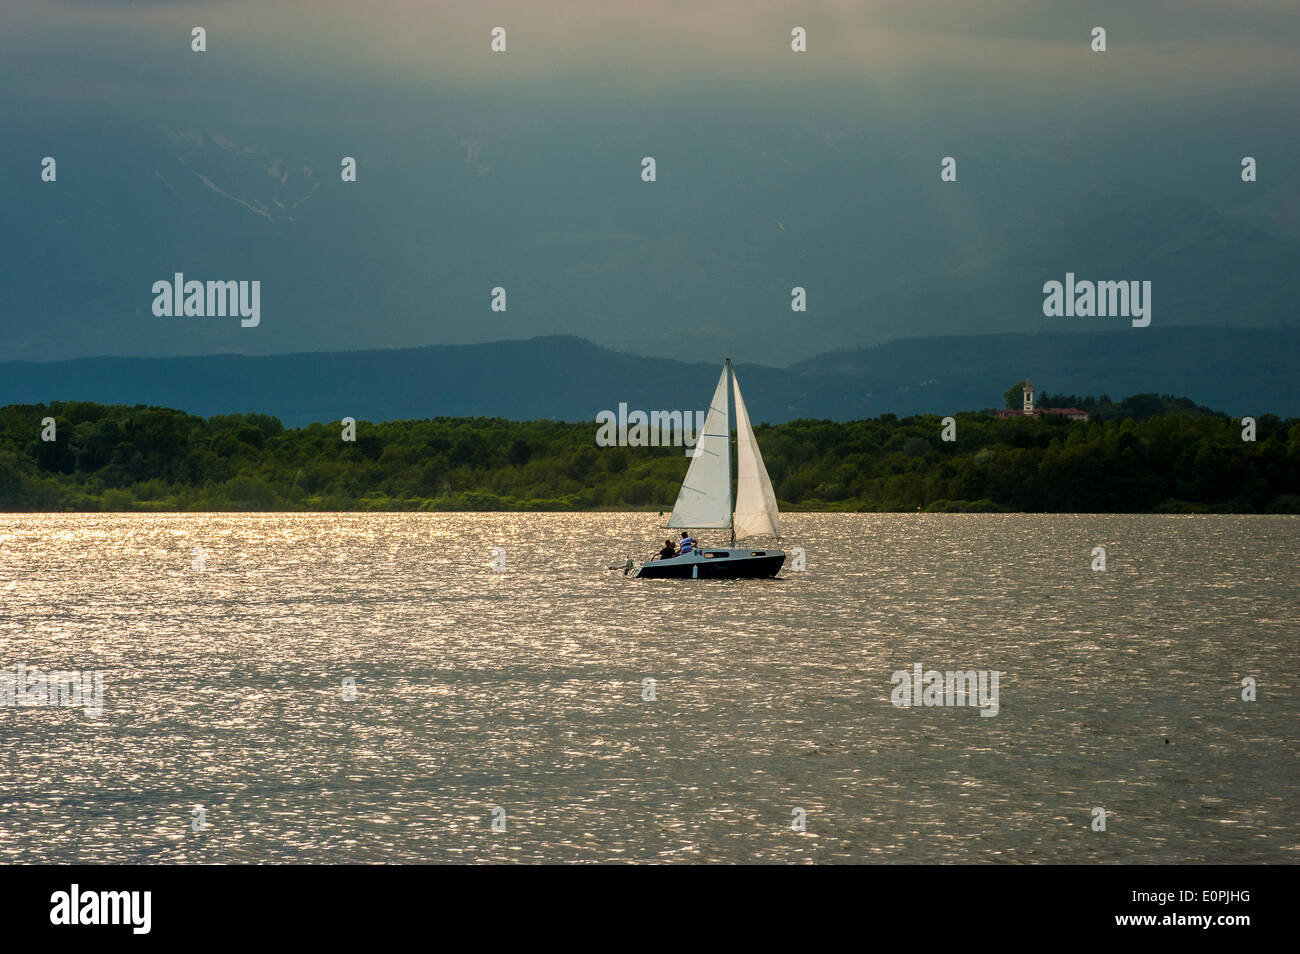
731, 497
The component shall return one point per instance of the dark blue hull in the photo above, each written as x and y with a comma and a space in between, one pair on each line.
715, 564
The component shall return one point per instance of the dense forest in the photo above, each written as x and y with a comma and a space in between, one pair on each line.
1151, 453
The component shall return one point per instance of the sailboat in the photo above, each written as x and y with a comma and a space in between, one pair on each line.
706, 502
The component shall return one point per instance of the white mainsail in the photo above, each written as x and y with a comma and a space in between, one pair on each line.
704, 502
756, 513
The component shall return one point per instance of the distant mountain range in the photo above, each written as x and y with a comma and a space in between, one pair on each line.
1239, 371
703, 262
1205, 270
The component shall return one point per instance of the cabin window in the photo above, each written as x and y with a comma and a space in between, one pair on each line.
758, 553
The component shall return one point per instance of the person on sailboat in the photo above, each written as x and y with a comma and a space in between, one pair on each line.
668, 552
688, 543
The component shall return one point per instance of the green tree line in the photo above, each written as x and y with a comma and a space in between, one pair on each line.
113, 457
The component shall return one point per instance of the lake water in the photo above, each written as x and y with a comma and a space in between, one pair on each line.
522, 691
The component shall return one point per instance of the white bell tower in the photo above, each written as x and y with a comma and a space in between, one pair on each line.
1029, 396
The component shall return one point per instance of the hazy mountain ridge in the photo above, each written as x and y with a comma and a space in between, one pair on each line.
566, 378
702, 262
1205, 269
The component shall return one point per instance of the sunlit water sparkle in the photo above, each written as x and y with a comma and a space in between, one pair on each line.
523, 689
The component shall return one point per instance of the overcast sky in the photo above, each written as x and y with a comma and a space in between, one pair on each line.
522, 169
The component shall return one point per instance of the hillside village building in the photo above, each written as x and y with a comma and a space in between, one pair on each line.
1028, 409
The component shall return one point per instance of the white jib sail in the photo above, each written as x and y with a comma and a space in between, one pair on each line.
756, 513
704, 502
